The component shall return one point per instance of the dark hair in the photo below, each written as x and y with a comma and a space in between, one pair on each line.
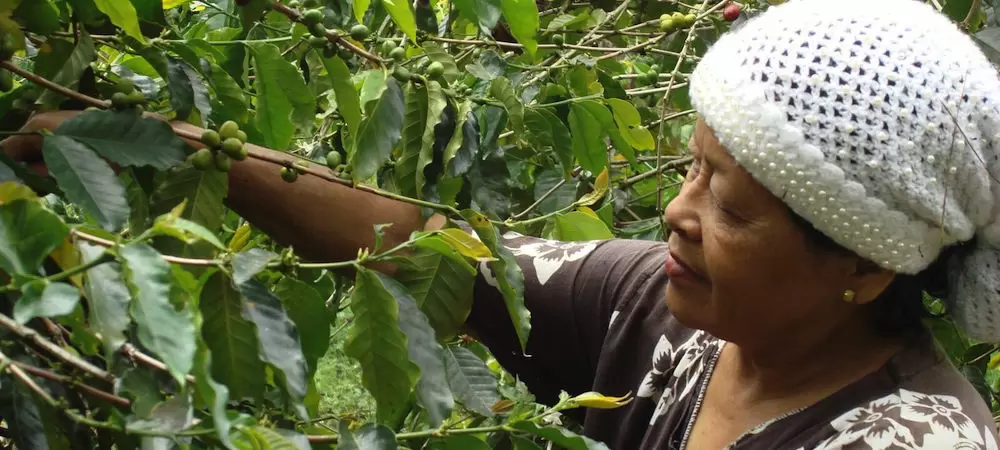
899, 310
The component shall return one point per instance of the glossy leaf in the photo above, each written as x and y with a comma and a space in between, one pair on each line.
587, 138
307, 310
368, 437
359, 7
122, 14
28, 232
29, 420
471, 381
402, 15
283, 100
505, 270
86, 180
249, 263
40, 299
502, 90
442, 287
203, 191
424, 350
560, 436
231, 338
379, 133
187, 90
486, 13
278, 339
107, 297
464, 143
379, 345
40, 16
522, 18
71, 68
213, 394
348, 102
414, 120
126, 138
548, 133
166, 331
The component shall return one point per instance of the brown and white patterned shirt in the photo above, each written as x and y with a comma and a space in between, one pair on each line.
599, 323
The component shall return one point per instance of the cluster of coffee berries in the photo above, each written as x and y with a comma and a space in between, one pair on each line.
676, 20
649, 77
221, 147
127, 96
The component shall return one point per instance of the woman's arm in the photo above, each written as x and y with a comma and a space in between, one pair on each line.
321, 220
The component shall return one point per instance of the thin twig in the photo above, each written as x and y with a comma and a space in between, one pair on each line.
120, 402
32, 336
135, 354
173, 259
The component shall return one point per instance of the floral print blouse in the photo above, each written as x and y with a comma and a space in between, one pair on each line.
599, 323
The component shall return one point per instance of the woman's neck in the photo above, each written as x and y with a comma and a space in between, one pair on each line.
814, 361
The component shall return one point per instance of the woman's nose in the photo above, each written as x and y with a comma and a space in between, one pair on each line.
681, 214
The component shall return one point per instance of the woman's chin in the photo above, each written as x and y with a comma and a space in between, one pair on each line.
693, 310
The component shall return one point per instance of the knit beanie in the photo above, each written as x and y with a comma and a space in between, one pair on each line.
878, 121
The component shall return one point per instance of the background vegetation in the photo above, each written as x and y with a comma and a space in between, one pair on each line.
137, 310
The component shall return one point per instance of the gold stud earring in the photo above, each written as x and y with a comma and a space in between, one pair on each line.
849, 296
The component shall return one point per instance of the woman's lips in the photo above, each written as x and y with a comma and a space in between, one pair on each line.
677, 269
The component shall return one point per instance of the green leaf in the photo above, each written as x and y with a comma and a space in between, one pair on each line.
522, 18
231, 338
42, 299
368, 437
359, 7
414, 120
213, 394
578, 226
231, 99
31, 422
379, 133
71, 70
348, 102
560, 436
486, 13
185, 230
122, 14
164, 330
508, 274
278, 339
548, 133
402, 15
441, 285
379, 345
463, 442
28, 232
107, 297
435, 52
473, 384
126, 138
307, 309
372, 87
86, 180
521, 443
204, 191
273, 440
607, 124
502, 90
249, 263
39, 16
283, 99
587, 138
432, 385
630, 127
187, 90
464, 143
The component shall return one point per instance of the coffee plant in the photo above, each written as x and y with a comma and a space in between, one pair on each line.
138, 310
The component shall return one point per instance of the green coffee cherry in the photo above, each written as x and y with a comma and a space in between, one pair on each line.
232, 146
398, 54
333, 159
136, 98
289, 175
125, 85
229, 129
119, 100
559, 39
203, 159
242, 136
211, 138
435, 69
402, 74
6, 81
312, 16
318, 42
223, 162
317, 29
359, 32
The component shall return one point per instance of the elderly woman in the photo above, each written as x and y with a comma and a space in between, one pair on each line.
843, 164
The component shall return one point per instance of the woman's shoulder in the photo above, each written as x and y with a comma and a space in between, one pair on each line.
932, 405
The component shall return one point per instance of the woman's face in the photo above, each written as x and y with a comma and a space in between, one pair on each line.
740, 268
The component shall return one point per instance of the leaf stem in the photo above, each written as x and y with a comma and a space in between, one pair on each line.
296, 16
234, 42
43, 82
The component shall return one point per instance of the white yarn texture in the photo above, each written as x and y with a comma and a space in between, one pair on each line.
878, 122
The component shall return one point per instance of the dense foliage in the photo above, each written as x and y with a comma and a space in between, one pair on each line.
138, 310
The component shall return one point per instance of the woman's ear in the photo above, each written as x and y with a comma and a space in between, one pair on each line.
869, 281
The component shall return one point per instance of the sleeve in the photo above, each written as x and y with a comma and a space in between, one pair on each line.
571, 290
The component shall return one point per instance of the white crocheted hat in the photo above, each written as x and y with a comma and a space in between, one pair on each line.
878, 122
